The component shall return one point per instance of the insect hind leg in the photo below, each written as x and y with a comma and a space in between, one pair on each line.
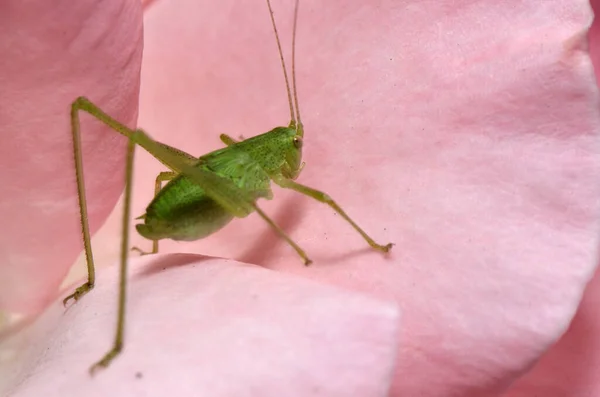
120, 331
83, 104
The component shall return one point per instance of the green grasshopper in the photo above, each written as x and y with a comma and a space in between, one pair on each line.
203, 194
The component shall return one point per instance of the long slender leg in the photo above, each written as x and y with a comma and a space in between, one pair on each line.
83, 214
160, 178
176, 156
282, 234
324, 198
118, 343
83, 104
235, 200
222, 190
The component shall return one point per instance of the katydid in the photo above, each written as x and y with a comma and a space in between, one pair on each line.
202, 194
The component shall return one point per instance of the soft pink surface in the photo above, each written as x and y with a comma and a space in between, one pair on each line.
211, 327
571, 367
463, 131
51, 53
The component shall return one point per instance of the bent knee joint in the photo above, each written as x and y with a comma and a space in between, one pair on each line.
326, 198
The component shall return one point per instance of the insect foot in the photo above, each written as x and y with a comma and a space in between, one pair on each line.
383, 248
107, 359
141, 251
79, 292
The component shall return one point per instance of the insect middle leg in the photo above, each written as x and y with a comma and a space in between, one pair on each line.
282, 234
324, 198
164, 176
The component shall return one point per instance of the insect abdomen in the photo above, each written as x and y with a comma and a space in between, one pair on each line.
183, 212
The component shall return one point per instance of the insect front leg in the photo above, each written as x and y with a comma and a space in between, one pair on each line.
164, 176
227, 140
324, 198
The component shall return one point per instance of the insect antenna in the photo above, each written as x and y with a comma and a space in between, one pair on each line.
300, 127
293, 123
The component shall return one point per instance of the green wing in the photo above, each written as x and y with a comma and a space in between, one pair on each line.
240, 168
238, 201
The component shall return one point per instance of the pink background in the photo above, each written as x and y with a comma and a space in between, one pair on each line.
466, 132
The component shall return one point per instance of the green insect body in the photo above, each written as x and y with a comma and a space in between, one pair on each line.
183, 211
202, 194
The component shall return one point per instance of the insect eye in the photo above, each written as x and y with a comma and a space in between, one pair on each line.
298, 142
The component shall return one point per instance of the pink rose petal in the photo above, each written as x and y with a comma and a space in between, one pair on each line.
571, 367
465, 132
211, 327
52, 53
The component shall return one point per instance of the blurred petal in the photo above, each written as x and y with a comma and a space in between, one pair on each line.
201, 326
52, 53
